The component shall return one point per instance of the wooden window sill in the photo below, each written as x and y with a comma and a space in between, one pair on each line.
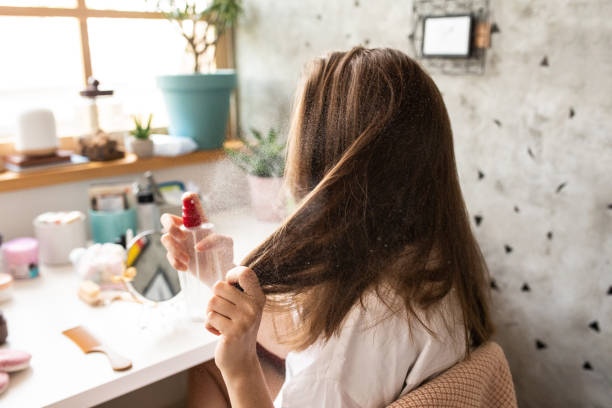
11, 181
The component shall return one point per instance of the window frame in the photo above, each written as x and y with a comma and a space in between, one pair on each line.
81, 12
223, 59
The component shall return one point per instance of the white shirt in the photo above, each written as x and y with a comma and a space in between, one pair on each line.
374, 359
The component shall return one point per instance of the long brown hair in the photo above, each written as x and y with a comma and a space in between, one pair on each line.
371, 162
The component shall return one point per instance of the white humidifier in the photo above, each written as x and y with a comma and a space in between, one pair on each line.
36, 133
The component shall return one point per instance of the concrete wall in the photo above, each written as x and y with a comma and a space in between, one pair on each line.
534, 150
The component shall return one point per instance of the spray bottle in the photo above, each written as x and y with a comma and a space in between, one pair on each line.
204, 268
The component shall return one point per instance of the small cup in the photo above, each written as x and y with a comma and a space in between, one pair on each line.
58, 234
109, 226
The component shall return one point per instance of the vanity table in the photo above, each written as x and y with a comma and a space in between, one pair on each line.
61, 375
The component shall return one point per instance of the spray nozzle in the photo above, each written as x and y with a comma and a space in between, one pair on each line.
193, 213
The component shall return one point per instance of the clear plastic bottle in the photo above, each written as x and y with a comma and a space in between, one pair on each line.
204, 268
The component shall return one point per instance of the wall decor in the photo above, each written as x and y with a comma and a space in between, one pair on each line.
447, 36
451, 36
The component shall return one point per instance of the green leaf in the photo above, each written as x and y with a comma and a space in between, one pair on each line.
139, 131
257, 134
272, 135
264, 158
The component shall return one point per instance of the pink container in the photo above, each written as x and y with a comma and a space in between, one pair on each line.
20, 257
267, 198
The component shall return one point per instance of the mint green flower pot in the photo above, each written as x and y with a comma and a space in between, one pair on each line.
198, 105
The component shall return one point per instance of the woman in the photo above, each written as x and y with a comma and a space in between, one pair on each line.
376, 276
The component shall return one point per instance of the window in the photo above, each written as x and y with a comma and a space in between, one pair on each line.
55, 45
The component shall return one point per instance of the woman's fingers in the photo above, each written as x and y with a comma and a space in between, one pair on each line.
167, 220
244, 310
176, 264
212, 329
222, 306
217, 322
173, 240
214, 241
247, 279
227, 291
177, 249
172, 225
177, 233
241, 309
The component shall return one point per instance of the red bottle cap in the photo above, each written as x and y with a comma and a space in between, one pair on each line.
193, 213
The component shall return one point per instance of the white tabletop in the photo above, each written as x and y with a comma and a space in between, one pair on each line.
158, 341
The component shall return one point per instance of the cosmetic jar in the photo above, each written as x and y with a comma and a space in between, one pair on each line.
20, 257
58, 233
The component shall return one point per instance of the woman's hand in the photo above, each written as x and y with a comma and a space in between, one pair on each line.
236, 315
178, 242
175, 241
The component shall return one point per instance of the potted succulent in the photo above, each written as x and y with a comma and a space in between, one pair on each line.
138, 142
264, 162
198, 103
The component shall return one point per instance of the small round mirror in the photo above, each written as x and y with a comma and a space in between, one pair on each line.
155, 279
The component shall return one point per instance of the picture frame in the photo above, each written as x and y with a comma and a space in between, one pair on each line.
447, 36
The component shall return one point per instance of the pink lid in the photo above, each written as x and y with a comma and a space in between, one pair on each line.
21, 251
